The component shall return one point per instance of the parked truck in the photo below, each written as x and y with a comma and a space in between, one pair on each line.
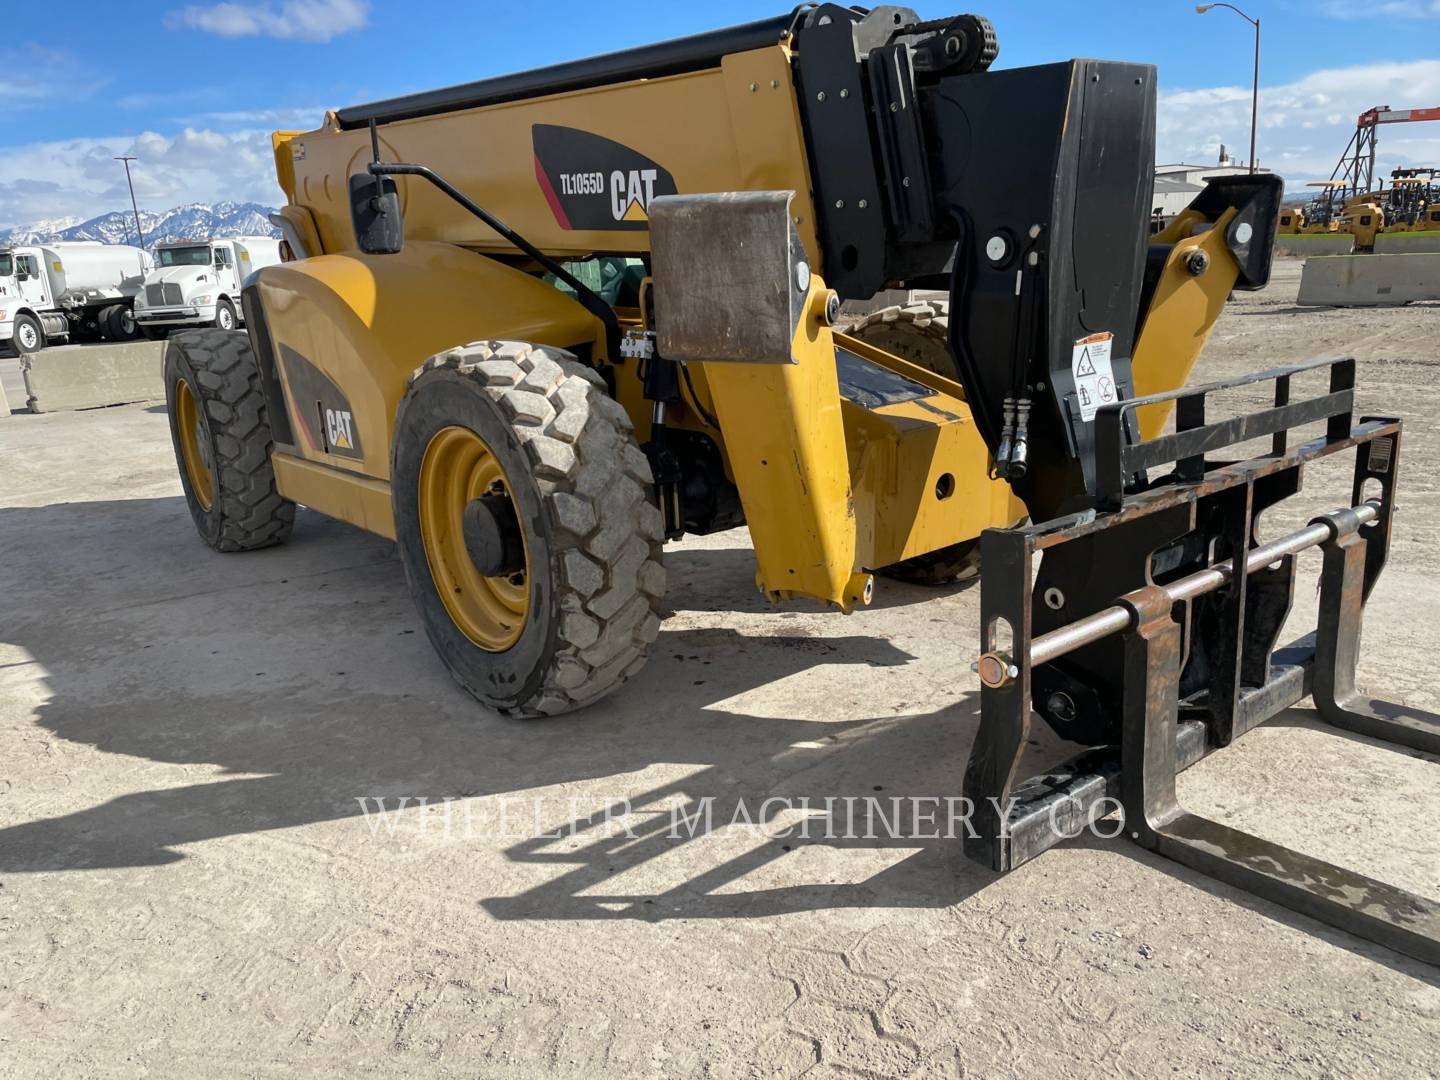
197, 282
76, 291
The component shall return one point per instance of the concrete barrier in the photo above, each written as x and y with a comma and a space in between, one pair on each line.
1407, 242
71, 377
1370, 280
1306, 244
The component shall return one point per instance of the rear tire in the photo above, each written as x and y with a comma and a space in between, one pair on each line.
104, 322
584, 612
229, 428
29, 335
126, 329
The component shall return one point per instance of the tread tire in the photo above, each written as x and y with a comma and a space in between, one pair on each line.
581, 485
947, 566
247, 512
917, 332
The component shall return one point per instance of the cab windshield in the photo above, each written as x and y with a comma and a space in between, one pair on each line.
196, 255
7, 266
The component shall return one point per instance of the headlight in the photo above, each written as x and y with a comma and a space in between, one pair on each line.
200, 300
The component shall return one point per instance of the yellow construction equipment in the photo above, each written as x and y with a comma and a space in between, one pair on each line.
539, 324
1363, 217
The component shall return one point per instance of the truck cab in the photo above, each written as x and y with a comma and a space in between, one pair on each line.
197, 282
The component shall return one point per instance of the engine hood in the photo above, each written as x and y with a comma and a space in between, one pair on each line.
184, 276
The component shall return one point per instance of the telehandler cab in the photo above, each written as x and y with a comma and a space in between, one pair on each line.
537, 325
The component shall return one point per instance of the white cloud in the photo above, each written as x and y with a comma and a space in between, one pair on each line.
290, 20
1305, 124
80, 177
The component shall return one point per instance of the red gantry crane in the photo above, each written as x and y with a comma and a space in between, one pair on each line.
1356, 170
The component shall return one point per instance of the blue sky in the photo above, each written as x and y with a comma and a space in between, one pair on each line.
193, 89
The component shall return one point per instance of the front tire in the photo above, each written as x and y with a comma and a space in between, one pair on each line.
221, 433
574, 609
224, 315
29, 335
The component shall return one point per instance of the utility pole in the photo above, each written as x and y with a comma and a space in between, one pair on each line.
1201, 9
139, 236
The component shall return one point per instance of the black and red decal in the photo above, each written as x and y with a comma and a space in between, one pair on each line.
322, 412
592, 182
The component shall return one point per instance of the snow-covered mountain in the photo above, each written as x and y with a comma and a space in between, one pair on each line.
193, 221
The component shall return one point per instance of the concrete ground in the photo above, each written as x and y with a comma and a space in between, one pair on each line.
189, 885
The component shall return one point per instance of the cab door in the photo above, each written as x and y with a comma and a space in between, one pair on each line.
225, 270
32, 281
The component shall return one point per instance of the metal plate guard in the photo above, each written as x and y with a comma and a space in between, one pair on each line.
730, 276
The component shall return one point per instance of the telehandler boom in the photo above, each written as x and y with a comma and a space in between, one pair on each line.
537, 325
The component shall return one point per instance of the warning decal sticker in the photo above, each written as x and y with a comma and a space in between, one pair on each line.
1094, 379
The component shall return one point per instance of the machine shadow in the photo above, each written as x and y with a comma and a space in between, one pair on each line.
297, 683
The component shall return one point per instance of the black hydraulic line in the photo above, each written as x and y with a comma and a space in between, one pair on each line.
589, 299
694, 53
695, 398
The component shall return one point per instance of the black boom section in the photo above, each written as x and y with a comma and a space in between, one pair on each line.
1046, 172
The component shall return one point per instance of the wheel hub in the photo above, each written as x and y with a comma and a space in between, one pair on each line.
492, 535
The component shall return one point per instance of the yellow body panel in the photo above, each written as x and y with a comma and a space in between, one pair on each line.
790, 465
359, 500
833, 489
919, 470
366, 322
708, 128
1182, 314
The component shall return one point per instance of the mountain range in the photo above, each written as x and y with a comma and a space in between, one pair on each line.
193, 221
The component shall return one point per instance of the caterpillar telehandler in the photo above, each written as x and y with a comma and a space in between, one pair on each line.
539, 324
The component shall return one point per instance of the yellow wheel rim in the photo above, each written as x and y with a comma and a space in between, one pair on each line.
458, 466
194, 447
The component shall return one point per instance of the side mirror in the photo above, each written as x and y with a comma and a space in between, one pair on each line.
375, 212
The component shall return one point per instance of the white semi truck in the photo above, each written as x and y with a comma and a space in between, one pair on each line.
197, 282
73, 291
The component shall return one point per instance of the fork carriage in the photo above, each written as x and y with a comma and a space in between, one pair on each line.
1162, 647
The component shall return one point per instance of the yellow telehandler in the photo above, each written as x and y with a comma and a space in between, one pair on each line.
539, 324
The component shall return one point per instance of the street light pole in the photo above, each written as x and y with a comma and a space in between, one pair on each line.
139, 236
1201, 9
